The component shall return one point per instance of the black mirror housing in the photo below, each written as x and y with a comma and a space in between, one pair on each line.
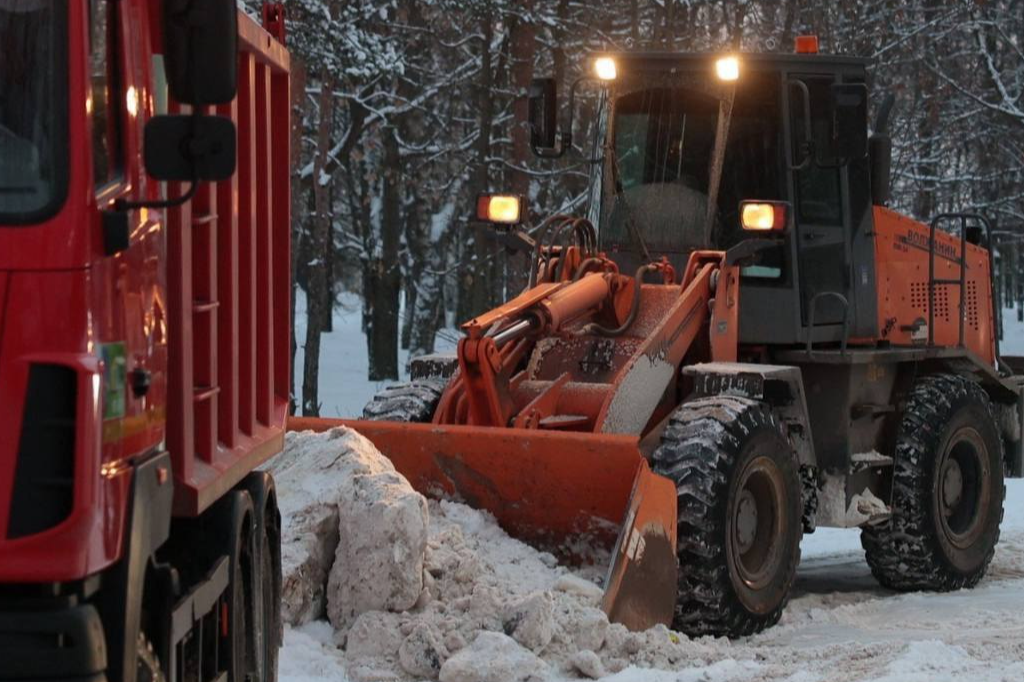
201, 50
849, 110
182, 148
543, 113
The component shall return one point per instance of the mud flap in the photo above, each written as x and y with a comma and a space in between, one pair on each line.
641, 586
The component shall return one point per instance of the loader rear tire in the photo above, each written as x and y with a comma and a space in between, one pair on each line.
948, 491
411, 401
740, 511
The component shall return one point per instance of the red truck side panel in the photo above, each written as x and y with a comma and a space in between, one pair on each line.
229, 294
200, 300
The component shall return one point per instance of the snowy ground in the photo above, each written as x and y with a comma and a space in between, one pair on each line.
1013, 333
840, 624
344, 388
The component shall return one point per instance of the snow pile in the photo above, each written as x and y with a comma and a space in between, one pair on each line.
491, 608
416, 590
354, 531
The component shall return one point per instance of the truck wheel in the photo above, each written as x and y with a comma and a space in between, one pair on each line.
148, 668
739, 514
412, 401
235, 534
948, 491
270, 575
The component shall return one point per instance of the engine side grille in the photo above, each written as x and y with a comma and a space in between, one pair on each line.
44, 476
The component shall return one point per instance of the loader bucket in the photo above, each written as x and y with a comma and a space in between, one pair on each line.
562, 491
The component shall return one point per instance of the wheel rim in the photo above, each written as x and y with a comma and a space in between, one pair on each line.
963, 487
757, 523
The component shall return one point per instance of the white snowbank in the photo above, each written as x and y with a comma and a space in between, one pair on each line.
492, 608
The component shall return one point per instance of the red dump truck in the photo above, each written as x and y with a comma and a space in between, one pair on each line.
144, 338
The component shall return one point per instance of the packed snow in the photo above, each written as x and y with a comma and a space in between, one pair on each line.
434, 590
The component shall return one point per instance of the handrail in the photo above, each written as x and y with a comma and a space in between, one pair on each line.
813, 305
964, 219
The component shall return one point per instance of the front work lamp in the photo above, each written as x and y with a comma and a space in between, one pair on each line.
504, 209
728, 68
763, 216
605, 69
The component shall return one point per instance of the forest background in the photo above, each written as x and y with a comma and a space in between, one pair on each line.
405, 110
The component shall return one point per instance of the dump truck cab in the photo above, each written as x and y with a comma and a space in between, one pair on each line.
678, 136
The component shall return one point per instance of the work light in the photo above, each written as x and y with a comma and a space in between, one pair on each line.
728, 68
505, 209
604, 68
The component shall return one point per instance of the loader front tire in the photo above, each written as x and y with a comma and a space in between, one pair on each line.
411, 401
740, 510
948, 491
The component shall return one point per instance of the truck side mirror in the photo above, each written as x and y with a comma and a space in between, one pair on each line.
201, 50
849, 110
190, 148
543, 98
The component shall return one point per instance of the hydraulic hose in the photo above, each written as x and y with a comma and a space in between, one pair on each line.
582, 269
634, 309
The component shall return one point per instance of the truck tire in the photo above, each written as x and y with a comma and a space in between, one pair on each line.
148, 668
234, 534
948, 491
270, 575
740, 510
411, 401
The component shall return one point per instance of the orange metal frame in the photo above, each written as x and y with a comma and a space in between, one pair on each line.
901, 257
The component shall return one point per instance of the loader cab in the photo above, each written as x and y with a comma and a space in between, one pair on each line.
683, 147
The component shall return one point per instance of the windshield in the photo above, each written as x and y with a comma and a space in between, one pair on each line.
31, 118
660, 160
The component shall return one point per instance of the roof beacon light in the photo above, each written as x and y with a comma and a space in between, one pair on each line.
728, 68
807, 44
605, 69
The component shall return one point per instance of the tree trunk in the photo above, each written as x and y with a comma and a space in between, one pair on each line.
523, 49
384, 273
317, 311
476, 279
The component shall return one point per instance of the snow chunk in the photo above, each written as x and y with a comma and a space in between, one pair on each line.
589, 664
381, 546
494, 657
312, 474
422, 652
531, 621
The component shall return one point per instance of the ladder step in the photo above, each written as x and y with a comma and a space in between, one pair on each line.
202, 393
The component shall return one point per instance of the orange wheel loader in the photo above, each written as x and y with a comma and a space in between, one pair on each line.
739, 342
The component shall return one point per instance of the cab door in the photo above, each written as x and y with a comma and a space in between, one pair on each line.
820, 203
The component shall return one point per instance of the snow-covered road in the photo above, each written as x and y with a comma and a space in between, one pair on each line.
839, 626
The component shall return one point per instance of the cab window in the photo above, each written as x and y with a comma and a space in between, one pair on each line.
105, 93
819, 201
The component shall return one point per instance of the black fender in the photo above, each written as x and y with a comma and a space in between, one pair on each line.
780, 386
148, 525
